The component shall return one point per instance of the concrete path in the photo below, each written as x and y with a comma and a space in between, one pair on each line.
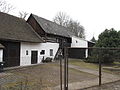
106, 77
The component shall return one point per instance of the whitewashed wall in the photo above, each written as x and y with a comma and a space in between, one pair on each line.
1, 55
79, 42
26, 59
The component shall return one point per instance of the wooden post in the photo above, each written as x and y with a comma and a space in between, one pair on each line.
67, 65
60, 71
65, 70
99, 69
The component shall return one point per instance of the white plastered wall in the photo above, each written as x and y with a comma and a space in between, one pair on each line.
26, 59
80, 43
1, 55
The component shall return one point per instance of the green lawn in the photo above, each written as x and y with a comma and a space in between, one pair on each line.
94, 66
83, 64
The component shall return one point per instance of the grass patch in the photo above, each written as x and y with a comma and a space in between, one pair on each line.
83, 64
117, 63
72, 70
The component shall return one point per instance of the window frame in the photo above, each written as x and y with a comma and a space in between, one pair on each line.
51, 52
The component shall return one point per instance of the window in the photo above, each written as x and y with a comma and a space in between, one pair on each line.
57, 40
42, 52
51, 52
76, 41
26, 52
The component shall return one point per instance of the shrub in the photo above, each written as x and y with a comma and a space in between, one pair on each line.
107, 39
106, 56
48, 59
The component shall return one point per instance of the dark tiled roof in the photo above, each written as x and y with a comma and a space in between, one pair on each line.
1, 46
51, 27
13, 28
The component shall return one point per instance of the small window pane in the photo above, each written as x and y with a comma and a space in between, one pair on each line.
76, 41
51, 52
42, 52
26, 52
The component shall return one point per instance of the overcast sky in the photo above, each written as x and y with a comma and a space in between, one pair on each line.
94, 15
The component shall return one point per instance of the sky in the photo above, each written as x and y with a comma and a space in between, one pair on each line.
94, 15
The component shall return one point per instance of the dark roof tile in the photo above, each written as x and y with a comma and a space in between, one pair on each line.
14, 28
51, 27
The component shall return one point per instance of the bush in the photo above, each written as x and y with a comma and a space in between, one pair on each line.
107, 39
91, 59
48, 59
106, 56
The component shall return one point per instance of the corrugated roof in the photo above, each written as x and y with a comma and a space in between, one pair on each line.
51, 27
14, 28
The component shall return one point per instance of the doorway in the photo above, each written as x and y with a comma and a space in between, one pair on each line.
34, 57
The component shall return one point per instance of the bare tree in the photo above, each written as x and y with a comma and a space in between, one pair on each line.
23, 14
61, 19
5, 7
74, 26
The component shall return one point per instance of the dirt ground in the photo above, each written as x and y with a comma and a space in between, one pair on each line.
109, 86
46, 76
107, 75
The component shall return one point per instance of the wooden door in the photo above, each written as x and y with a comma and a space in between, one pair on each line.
34, 57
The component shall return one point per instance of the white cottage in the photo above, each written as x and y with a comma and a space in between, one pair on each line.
32, 53
79, 42
23, 46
